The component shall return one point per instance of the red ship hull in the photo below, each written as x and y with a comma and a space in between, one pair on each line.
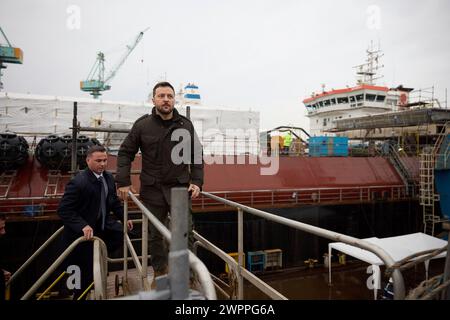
35, 191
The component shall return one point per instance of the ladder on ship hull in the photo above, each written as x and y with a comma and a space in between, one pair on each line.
428, 196
6, 181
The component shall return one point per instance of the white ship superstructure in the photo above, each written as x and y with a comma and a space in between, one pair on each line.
364, 99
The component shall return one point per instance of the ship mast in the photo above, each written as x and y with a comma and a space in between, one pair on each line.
366, 72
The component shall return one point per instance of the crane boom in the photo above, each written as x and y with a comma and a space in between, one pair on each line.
96, 81
124, 57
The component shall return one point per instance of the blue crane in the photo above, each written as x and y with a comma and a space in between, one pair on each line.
96, 81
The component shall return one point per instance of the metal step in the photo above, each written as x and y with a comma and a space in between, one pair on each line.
6, 181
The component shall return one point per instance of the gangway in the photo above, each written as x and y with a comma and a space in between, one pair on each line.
175, 284
172, 286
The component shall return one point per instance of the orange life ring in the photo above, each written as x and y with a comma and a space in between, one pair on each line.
403, 99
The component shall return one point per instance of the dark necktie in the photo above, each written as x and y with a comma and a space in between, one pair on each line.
102, 200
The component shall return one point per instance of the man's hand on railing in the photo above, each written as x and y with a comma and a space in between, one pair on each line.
6, 275
88, 232
122, 192
130, 225
195, 190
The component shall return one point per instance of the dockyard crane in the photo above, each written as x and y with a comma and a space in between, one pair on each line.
8, 54
96, 81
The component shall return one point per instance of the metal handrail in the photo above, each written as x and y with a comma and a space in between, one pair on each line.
34, 255
307, 189
304, 196
52, 285
399, 285
57, 262
395, 155
196, 264
237, 269
100, 266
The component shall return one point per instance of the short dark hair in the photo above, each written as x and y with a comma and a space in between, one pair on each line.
162, 84
96, 148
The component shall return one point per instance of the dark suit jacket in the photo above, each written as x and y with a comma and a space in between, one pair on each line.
79, 206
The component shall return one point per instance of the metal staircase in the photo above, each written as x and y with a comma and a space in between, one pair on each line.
395, 159
428, 197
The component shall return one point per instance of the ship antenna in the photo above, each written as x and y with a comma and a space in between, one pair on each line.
367, 72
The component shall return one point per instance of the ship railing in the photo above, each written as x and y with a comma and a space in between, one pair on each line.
99, 266
22, 208
178, 270
306, 196
396, 160
441, 156
399, 285
44, 246
237, 271
28, 262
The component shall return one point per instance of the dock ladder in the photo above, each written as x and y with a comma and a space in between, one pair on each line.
428, 197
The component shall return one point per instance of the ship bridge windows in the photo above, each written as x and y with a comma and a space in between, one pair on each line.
370, 97
326, 103
352, 101
381, 98
360, 97
333, 101
342, 100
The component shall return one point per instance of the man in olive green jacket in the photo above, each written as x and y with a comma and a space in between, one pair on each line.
164, 164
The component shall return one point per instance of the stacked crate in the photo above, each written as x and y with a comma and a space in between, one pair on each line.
256, 260
274, 258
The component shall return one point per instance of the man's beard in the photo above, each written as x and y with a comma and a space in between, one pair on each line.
164, 111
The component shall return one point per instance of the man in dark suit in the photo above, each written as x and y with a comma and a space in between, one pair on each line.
84, 209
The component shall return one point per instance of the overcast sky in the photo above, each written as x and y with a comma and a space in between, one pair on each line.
265, 56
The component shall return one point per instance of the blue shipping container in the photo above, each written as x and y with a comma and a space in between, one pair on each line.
328, 146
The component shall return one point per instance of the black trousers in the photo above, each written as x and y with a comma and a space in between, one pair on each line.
158, 247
